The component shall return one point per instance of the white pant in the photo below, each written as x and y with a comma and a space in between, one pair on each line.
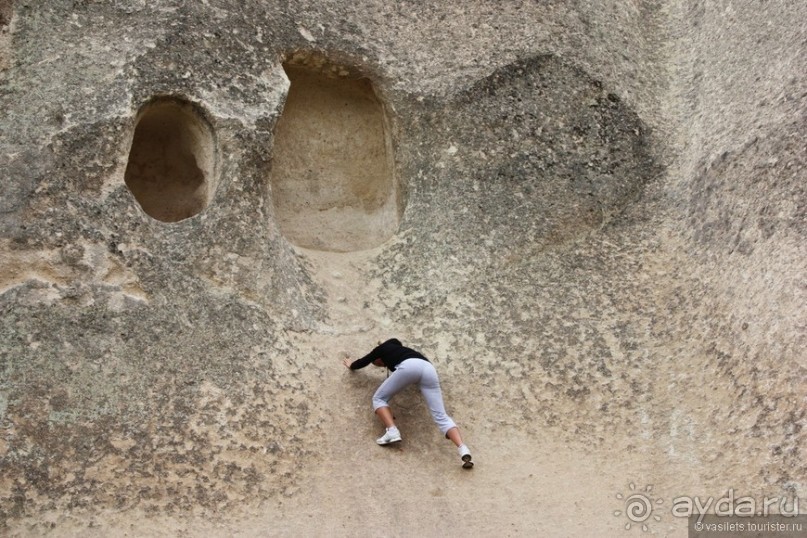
422, 372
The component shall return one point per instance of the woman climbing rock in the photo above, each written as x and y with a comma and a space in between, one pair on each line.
409, 367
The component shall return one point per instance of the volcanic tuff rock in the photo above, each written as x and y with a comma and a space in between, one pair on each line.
589, 215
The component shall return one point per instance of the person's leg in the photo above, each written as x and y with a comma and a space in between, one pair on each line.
385, 415
401, 378
430, 388
454, 435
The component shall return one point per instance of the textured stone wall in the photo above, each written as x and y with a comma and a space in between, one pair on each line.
739, 192
6, 13
600, 248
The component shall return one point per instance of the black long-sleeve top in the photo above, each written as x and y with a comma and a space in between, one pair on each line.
392, 353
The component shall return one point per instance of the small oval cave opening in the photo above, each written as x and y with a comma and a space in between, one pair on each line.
171, 163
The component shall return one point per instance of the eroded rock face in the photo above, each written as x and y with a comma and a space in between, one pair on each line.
533, 155
597, 238
6, 13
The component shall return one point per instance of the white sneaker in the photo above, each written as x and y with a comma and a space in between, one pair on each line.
391, 436
465, 455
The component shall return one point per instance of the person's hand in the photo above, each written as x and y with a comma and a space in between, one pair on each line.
347, 362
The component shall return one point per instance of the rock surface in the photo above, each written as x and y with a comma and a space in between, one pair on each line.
601, 247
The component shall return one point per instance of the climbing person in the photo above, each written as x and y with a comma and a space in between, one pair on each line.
408, 367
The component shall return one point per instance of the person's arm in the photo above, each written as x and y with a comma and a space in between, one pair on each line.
364, 361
